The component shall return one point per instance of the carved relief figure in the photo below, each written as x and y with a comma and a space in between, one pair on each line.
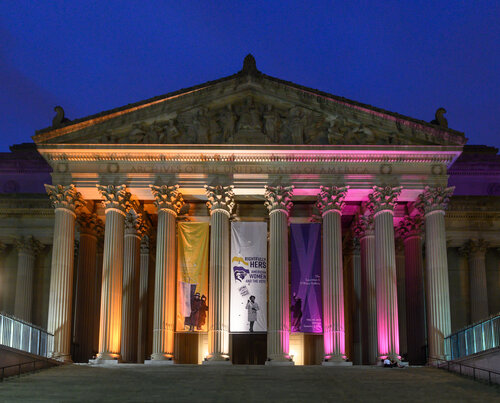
228, 120
249, 117
271, 122
171, 133
202, 124
295, 125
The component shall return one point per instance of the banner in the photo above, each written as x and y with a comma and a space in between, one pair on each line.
248, 308
192, 276
305, 306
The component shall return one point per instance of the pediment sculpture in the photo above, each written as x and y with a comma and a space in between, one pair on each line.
249, 121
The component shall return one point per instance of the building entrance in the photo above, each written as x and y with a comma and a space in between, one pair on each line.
249, 348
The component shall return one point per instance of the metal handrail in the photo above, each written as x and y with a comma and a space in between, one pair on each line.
21, 364
475, 338
24, 336
461, 365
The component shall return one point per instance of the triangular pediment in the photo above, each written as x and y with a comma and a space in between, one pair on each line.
249, 108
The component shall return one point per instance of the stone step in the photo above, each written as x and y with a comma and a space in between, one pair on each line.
136, 382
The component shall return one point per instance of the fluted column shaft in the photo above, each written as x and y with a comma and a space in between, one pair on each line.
221, 203
117, 201
358, 290
112, 283
169, 201
143, 299
333, 288
401, 292
218, 309
65, 199
415, 306
477, 275
278, 333
61, 283
27, 249
131, 264
437, 284
85, 305
386, 285
97, 295
432, 203
369, 296
278, 202
164, 307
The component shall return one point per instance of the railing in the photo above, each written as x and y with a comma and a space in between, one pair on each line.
474, 339
24, 367
24, 336
476, 373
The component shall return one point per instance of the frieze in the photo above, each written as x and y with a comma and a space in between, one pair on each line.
251, 121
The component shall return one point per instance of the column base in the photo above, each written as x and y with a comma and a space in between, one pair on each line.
102, 361
159, 362
336, 363
280, 363
217, 360
65, 358
106, 359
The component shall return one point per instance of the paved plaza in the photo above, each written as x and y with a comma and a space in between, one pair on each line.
190, 383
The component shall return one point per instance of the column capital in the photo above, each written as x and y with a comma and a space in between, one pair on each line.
364, 226
410, 226
167, 197
278, 198
65, 197
3, 247
399, 245
474, 247
134, 223
145, 244
115, 197
434, 199
90, 224
331, 198
29, 245
220, 198
383, 198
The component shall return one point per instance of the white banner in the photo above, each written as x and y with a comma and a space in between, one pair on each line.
248, 277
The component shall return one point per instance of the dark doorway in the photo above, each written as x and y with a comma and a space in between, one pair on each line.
249, 348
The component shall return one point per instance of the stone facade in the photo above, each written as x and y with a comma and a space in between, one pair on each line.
259, 149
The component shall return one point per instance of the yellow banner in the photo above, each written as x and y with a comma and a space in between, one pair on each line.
192, 277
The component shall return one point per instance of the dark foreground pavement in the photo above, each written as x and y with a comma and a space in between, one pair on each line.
186, 383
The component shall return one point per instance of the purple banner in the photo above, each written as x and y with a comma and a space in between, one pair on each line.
305, 305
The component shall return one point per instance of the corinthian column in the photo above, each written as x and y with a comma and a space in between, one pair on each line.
116, 202
134, 227
331, 203
432, 204
221, 204
476, 253
410, 230
64, 199
400, 276
27, 249
382, 202
278, 202
143, 299
169, 201
366, 235
89, 226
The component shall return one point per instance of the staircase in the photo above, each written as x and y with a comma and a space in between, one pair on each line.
23, 347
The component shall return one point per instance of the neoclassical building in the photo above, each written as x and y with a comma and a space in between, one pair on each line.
94, 217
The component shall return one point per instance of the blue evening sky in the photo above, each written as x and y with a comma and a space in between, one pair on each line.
409, 57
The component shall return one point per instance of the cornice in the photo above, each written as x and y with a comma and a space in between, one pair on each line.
247, 153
